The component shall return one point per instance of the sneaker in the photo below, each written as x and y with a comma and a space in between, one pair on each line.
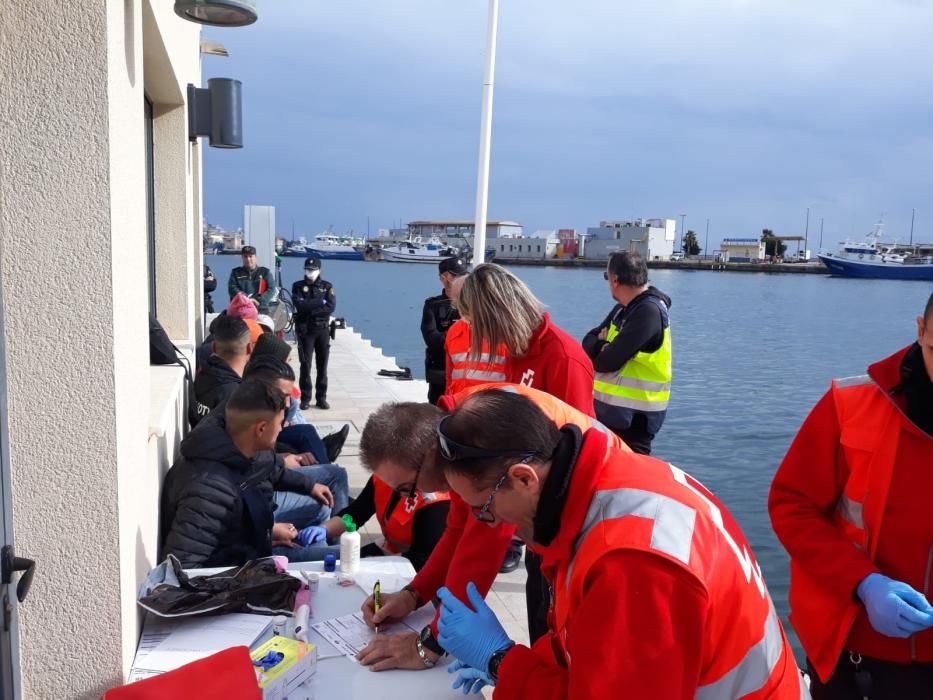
333, 443
322, 403
512, 558
304, 405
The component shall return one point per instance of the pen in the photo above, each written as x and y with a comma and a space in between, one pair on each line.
377, 600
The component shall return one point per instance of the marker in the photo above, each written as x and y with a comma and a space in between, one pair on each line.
377, 600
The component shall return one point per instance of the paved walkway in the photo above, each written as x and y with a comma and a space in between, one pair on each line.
354, 391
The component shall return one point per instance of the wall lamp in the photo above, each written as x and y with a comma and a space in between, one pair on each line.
216, 112
218, 13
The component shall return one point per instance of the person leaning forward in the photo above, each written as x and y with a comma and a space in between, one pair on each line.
469, 550
256, 282
851, 504
314, 301
656, 591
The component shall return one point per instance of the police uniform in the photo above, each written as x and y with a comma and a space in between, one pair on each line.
437, 317
210, 284
258, 283
314, 302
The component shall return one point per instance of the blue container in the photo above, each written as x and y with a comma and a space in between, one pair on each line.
330, 562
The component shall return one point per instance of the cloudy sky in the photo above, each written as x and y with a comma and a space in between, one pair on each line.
745, 112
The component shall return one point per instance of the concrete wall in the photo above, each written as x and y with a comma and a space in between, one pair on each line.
524, 248
72, 198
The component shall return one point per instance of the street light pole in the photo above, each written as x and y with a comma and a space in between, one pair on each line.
683, 230
821, 234
485, 137
706, 243
806, 233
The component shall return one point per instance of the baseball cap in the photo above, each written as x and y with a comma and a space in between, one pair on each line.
313, 264
266, 321
455, 266
248, 250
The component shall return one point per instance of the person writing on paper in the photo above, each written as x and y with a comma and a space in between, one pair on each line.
468, 550
656, 592
851, 503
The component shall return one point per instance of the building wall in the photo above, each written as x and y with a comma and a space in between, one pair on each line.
72, 198
524, 248
742, 253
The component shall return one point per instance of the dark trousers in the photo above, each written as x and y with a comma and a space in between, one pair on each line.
313, 342
304, 438
435, 391
886, 680
637, 436
537, 597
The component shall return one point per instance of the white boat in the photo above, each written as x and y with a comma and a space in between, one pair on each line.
416, 251
873, 259
329, 247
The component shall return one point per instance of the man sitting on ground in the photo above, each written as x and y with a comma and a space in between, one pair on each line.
221, 374
217, 507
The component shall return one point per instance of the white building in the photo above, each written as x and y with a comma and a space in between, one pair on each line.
453, 228
531, 248
653, 239
741, 250
97, 178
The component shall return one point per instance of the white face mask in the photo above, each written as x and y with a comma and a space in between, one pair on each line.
312, 275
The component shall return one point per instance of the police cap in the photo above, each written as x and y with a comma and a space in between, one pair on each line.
455, 266
313, 264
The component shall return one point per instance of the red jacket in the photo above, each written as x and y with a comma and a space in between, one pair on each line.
805, 494
642, 623
555, 363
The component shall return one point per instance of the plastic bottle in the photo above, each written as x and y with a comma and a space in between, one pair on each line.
349, 547
278, 625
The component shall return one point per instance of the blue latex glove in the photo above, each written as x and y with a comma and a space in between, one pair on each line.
894, 608
312, 534
470, 680
473, 637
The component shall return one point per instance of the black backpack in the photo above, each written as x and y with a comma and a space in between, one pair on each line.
162, 351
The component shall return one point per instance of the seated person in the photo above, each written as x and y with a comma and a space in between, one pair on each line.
231, 349
412, 521
217, 501
296, 508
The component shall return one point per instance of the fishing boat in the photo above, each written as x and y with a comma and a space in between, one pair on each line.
871, 258
415, 250
329, 247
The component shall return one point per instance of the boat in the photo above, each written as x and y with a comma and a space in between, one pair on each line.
870, 258
415, 250
329, 247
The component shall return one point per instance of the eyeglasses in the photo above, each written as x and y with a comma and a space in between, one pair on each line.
482, 513
454, 452
408, 490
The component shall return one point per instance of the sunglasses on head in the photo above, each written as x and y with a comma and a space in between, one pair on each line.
453, 451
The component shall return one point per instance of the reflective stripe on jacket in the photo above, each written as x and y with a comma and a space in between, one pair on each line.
465, 371
397, 529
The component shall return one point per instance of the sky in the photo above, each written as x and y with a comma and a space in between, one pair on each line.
744, 112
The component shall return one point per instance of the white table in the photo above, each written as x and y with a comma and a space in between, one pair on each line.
339, 678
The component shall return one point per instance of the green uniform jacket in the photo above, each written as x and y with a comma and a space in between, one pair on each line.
242, 280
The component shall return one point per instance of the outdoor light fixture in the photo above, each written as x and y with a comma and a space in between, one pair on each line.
218, 13
216, 112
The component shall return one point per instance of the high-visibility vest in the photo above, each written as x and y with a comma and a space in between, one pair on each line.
656, 508
642, 385
398, 528
555, 409
466, 371
869, 432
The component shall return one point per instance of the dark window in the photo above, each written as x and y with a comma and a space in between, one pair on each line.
150, 206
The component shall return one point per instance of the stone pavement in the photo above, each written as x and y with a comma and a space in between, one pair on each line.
354, 391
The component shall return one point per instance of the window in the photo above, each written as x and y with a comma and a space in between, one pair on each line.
539, 249
150, 205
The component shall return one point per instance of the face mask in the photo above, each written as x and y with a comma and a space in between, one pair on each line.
312, 275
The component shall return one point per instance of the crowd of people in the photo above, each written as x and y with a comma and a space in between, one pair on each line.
640, 582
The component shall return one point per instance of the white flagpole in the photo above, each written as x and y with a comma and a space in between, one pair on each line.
485, 138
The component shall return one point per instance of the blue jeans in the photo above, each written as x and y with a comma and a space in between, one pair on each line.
314, 552
294, 414
301, 510
304, 438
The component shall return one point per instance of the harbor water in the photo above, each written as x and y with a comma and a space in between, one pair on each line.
752, 354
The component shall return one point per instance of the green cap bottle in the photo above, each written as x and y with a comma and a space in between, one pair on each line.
348, 523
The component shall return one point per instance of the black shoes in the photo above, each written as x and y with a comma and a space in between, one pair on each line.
322, 403
333, 443
512, 558
305, 405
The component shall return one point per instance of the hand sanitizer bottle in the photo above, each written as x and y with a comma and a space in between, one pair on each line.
349, 547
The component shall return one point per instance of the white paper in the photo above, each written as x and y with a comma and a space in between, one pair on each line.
392, 576
349, 634
168, 644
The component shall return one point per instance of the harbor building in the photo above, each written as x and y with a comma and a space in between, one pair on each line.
653, 239
741, 250
541, 246
444, 229
95, 143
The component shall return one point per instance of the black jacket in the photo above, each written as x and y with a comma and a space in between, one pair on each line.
213, 385
436, 319
644, 326
314, 303
205, 518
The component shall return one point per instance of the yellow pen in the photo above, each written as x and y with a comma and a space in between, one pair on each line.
377, 600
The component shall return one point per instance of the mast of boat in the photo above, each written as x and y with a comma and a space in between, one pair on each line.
913, 214
485, 137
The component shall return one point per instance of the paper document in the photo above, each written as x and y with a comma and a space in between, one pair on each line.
350, 635
393, 576
167, 644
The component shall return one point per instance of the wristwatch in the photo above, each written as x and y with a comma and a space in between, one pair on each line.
427, 640
495, 661
424, 657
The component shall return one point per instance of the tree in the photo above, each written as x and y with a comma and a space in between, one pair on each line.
690, 245
767, 235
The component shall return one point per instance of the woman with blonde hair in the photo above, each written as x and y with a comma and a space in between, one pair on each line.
502, 312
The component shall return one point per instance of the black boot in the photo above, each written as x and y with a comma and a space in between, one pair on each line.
512, 558
322, 403
333, 443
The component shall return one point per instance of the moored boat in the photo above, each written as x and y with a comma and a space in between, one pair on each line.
871, 258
